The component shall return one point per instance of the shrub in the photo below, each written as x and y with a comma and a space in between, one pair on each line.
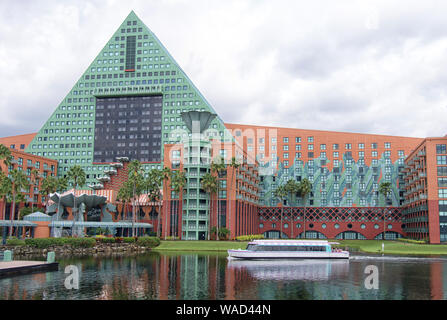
250, 237
81, 242
43, 243
106, 240
149, 242
119, 239
129, 240
412, 240
15, 242
172, 238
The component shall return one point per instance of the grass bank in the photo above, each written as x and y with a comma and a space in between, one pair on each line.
393, 247
367, 246
211, 246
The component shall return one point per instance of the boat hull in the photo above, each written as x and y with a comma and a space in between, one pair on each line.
261, 255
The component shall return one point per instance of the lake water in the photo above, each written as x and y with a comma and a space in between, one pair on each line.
212, 276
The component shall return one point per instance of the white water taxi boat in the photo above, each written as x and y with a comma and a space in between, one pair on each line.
289, 249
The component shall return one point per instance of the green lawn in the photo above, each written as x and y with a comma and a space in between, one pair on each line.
393, 247
368, 246
200, 245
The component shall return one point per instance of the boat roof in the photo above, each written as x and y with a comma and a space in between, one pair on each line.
291, 242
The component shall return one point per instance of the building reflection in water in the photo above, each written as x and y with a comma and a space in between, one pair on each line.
201, 276
291, 269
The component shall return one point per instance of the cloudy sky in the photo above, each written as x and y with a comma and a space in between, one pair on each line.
357, 66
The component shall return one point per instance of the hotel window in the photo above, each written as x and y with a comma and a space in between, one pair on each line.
442, 193
297, 147
441, 148
261, 140
297, 155
348, 146
335, 154
336, 163
442, 171
298, 139
335, 146
274, 148
286, 155
285, 140
401, 153
285, 147
442, 182
286, 163
361, 154
261, 148
387, 145
374, 145
323, 155
361, 146
374, 153
310, 147
273, 140
322, 147
441, 159
310, 139
375, 162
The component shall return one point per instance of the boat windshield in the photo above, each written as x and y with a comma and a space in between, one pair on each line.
256, 247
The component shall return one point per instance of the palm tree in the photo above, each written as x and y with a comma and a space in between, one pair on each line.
35, 179
153, 186
385, 190
209, 184
165, 175
178, 181
135, 174
5, 190
305, 188
125, 194
76, 176
48, 186
19, 182
218, 166
61, 184
235, 165
281, 193
5, 155
292, 187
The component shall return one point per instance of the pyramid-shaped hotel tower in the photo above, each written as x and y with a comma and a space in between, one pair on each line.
127, 103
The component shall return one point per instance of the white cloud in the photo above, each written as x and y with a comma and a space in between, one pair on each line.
369, 66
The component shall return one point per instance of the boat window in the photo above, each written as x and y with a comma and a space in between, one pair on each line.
254, 247
251, 247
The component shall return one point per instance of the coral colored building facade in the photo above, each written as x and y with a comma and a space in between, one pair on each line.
26, 162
